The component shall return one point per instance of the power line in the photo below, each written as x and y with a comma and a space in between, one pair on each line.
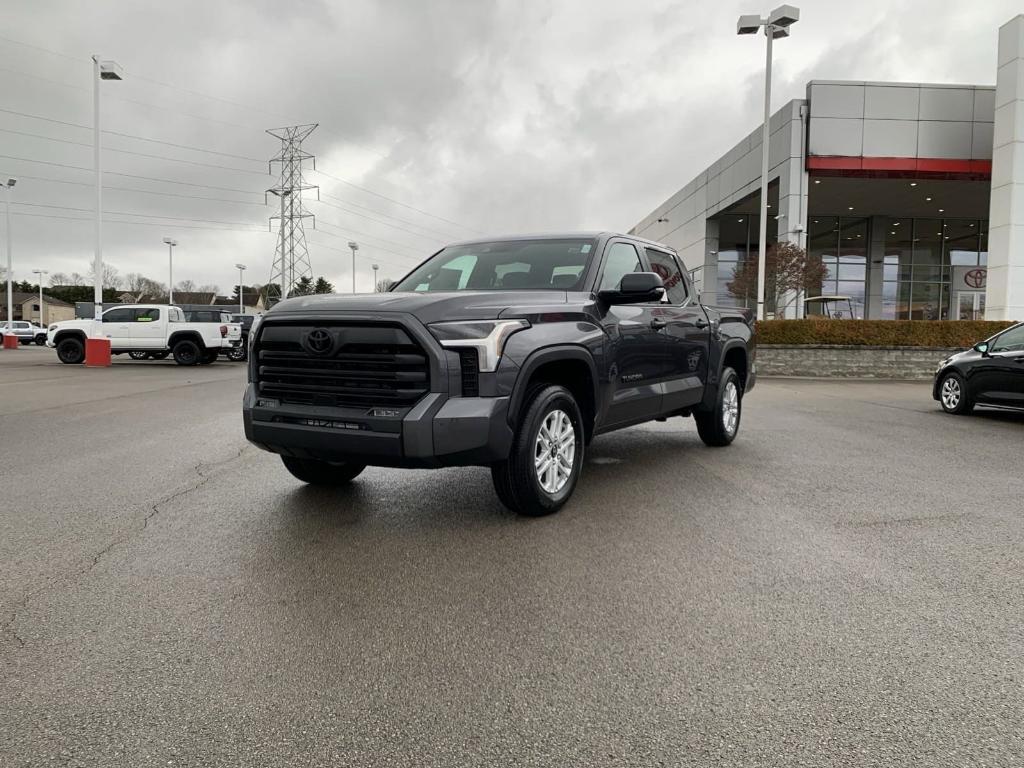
130, 135
367, 234
107, 188
379, 221
138, 223
396, 202
142, 215
444, 235
130, 175
130, 152
346, 251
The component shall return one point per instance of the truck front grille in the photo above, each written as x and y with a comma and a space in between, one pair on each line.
361, 366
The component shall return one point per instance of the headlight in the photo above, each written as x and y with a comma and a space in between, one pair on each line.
487, 337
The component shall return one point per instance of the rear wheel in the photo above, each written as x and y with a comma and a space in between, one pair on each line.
719, 426
70, 351
317, 472
954, 396
237, 354
544, 465
186, 352
40, 341
136, 355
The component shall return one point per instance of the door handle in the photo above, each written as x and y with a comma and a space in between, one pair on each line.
657, 324
701, 323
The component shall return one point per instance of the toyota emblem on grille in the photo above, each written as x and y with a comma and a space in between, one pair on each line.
319, 341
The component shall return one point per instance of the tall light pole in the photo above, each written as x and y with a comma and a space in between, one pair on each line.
375, 268
241, 289
40, 273
9, 337
171, 242
101, 70
776, 25
355, 247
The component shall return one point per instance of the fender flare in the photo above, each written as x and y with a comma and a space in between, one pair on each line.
192, 336
542, 356
711, 390
63, 334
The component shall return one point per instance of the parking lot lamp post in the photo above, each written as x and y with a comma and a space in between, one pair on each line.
776, 25
355, 247
375, 268
241, 289
101, 70
171, 242
40, 273
9, 337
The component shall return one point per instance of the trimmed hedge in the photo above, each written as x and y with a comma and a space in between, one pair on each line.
879, 333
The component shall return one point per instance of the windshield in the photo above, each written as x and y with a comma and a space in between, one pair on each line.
505, 265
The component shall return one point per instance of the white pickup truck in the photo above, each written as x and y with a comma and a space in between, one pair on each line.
154, 330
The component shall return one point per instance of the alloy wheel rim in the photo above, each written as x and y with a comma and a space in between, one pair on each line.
730, 408
554, 451
951, 393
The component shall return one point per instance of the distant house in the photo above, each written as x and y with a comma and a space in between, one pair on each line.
26, 307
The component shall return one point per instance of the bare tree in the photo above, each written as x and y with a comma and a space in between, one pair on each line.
384, 285
76, 278
789, 272
58, 278
143, 288
185, 286
209, 288
111, 277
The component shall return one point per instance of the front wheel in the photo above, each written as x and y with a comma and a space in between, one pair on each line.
954, 397
719, 426
546, 460
70, 351
40, 341
136, 355
317, 472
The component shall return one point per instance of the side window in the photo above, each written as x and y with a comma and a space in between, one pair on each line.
125, 315
621, 260
666, 267
147, 315
1011, 341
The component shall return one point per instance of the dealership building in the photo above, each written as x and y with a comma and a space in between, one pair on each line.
911, 194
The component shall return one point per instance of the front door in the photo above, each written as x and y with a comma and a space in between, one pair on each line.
147, 330
1000, 377
117, 324
636, 345
686, 335
971, 305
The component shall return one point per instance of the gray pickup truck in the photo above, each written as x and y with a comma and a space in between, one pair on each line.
509, 353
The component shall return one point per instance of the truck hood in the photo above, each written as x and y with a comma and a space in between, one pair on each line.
426, 307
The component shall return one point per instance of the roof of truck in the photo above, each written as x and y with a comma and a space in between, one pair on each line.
562, 236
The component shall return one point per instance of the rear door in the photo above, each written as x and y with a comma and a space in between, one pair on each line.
1000, 377
686, 334
636, 346
117, 325
148, 329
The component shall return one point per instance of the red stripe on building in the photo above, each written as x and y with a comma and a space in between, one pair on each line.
854, 166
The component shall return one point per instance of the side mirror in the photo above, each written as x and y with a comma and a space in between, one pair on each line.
635, 288
982, 347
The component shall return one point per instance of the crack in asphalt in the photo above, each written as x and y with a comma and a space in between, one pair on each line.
7, 628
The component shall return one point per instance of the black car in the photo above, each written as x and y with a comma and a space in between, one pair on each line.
990, 373
511, 354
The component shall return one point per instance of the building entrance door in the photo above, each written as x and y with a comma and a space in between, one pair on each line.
970, 305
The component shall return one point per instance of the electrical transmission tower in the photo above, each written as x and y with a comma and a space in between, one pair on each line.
291, 257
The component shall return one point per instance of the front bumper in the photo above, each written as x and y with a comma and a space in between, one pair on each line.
439, 431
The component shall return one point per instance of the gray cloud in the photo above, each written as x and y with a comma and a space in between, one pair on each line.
503, 116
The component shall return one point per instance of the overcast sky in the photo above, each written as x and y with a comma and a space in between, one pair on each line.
473, 116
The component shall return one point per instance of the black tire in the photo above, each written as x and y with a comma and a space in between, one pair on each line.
237, 354
186, 352
317, 472
24, 342
71, 351
136, 355
162, 355
517, 481
955, 394
714, 427
209, 356
40, 341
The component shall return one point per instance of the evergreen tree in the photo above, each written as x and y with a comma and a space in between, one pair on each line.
323, 286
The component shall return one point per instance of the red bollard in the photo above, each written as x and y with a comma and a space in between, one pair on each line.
97, 353
10, 341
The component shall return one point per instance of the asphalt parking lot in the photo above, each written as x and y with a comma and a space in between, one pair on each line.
843, 586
